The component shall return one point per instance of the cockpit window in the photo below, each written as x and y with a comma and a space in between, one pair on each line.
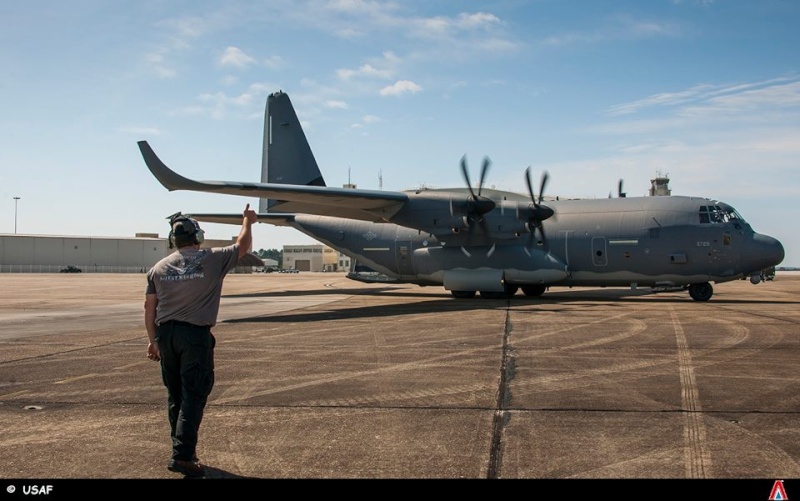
721, 213
704, 214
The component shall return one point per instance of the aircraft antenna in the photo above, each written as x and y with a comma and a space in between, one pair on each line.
380, 179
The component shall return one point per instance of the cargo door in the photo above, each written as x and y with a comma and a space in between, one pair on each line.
403, 253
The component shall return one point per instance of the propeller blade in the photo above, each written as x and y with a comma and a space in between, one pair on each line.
545, 177
484, 170
544, 238
477, 205
466, 175
539, 212
528, 183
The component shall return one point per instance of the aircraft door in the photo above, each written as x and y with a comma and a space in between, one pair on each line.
599, 251
403, 251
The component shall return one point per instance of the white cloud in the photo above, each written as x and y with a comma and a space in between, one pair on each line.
366, 70
661, 99
440, 26
775, 95
220, 105
157, 63
190, 27
349, 33
400, 87
334, 104
229, 80
616, 28
370, 119
273, 62
477, 20
233, 56
220, 98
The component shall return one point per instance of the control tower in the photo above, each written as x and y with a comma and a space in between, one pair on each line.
659, 186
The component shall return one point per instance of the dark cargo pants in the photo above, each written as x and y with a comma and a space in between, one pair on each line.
187, 369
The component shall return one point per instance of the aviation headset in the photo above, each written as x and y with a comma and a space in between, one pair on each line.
184, 228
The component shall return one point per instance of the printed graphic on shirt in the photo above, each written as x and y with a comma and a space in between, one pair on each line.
189, 268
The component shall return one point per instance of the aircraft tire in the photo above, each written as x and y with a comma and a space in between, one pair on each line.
463, 294
533, 290
508, 293
701, 292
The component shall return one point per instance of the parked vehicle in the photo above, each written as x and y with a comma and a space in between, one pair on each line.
71, 269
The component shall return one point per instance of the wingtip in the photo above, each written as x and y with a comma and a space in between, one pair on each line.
168, 178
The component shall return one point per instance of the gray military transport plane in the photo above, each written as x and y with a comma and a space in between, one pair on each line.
488, 241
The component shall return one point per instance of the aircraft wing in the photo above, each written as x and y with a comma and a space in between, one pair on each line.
366, 205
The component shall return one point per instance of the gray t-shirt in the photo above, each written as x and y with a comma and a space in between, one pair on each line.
188, 283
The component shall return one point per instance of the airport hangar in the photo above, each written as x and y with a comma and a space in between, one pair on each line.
54, 253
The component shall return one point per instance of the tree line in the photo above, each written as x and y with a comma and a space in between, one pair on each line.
274, 254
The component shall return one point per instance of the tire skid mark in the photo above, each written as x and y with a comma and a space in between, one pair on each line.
580, 325
406, 366
697, 458
413, 364
768, 336
640, 326
399, 396
567, 381
622, 468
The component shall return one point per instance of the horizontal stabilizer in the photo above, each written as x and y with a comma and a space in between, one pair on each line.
270, 218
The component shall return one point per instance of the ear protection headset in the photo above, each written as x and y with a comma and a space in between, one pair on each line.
184, 228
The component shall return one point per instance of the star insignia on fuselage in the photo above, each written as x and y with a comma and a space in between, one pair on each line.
370, 235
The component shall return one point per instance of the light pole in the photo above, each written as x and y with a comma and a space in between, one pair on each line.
16, 199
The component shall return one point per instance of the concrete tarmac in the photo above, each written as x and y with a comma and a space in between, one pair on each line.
320, 377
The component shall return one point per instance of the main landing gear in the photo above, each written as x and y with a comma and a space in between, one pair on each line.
701, 292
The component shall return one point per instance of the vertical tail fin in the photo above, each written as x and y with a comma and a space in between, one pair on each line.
287, 156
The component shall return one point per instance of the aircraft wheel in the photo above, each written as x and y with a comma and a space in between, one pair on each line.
463, 294
534, 290
509, 292
701, 292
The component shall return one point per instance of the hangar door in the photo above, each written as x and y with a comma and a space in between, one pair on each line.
302, 265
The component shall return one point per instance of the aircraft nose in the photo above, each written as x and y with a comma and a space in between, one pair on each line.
768, 251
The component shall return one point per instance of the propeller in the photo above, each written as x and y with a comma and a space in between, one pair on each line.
620, 193
537, 212
477, 205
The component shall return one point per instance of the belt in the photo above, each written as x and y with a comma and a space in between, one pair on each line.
183, 324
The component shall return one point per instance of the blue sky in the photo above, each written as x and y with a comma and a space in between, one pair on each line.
391, 96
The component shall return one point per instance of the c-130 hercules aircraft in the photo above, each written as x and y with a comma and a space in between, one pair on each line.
489, 241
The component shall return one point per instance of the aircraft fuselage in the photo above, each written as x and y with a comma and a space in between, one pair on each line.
643, 241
